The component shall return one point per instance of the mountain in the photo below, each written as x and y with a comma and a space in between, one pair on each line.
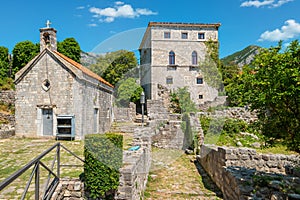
88, 59
243, 57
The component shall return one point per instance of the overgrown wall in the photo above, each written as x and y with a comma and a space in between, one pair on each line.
232, 169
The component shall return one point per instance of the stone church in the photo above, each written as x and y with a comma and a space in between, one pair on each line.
170, 54
55, 96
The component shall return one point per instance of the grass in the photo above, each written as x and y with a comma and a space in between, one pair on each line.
173, 175
17, 152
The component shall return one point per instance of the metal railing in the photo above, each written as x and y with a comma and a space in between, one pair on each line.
37, 163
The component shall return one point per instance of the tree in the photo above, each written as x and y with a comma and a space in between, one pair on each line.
181, 101
128, 91
23, 52
4, 62
273, 90
113, 66
70, 48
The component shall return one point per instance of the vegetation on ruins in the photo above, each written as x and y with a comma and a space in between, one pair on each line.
271, 87
128, 91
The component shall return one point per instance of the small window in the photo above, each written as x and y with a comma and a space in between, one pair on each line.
200, 96
194, 58
46, 85
172, 68
201, 36
171, 58
169, 80
167, 35
184, 35
199, 80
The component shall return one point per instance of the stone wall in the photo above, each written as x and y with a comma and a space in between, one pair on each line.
233, 169
7, 129
69, 189
136, 166
125, 114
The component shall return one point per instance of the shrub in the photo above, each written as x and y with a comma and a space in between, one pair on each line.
103, 159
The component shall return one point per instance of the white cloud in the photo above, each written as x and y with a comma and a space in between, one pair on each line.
263, 3
92, 25
290, 30
80, 8
120, 10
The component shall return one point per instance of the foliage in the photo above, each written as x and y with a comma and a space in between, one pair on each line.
210, 66
128, 91
226, 131
4, 62
103, 159
273, 91
7, 83
113, 66
181, 101
70, 48
23, 52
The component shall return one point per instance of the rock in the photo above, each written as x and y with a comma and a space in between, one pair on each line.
294, 196
256, 145
239, 144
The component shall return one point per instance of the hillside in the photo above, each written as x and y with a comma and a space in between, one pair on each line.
242, 57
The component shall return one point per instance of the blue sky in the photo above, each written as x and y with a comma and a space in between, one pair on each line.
102, 25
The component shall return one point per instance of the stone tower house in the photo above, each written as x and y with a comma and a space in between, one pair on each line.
55, 96
170, 54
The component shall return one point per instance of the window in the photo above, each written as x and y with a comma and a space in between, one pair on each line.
169, 80
167, 35
201, 36
200, 96
194, 58
46, 85
171, 58
199, 80
184, 35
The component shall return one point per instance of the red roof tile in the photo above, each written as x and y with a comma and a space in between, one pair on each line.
83, 69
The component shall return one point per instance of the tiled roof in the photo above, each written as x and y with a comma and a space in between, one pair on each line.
83, 69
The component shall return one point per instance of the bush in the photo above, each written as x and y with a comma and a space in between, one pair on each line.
103, 159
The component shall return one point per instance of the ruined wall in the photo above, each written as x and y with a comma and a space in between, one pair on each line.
7, 129
125, 114
232, 169
136, 166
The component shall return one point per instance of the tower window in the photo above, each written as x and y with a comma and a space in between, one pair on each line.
171, 58
201, 36
169, 80
184, 35
167, 35
194, 58
199, 80
200, 96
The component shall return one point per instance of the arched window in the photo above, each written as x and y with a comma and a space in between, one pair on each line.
171, 58
194, 58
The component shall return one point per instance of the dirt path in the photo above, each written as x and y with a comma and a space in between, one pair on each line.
175, 175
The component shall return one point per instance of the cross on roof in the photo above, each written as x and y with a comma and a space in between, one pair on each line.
48, 24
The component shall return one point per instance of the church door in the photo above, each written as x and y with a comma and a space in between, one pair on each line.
47, 122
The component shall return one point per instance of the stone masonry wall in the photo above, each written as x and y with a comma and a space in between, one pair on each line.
125, 114
69, 189
136, 166
7, 129
232, 169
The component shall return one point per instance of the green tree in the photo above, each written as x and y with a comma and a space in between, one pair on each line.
23, 52
182, 102
70, 48
128, 91
273, 89
4, 62
115, 65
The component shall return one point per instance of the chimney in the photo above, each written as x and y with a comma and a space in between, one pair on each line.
48, 38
